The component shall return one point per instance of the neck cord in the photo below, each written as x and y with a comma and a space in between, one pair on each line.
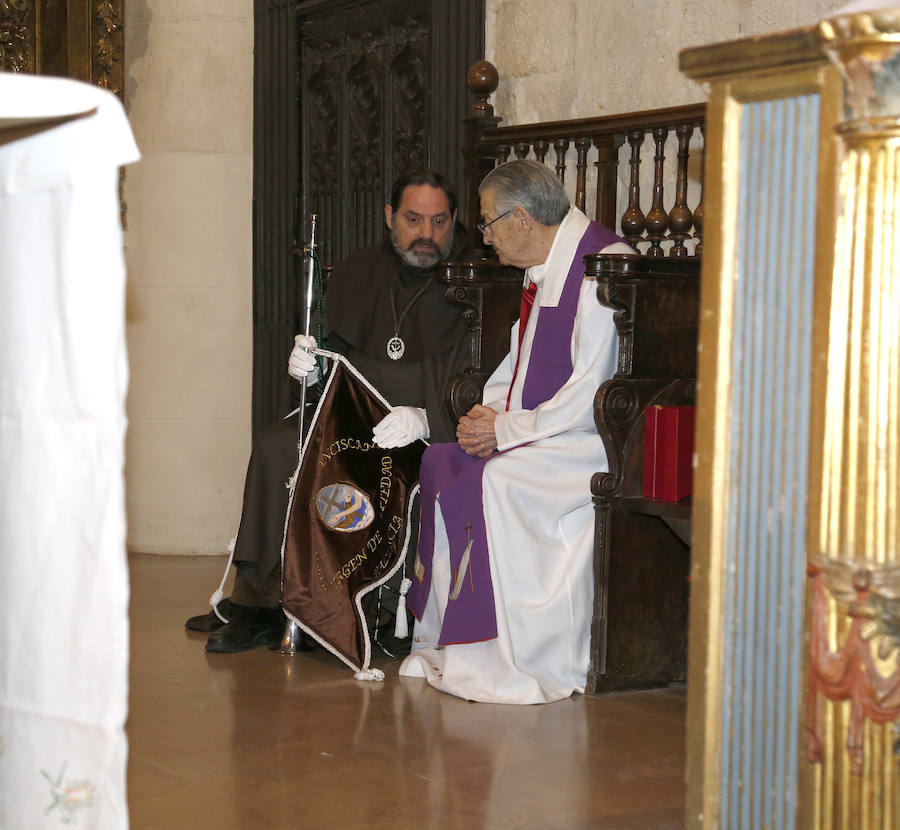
395, 346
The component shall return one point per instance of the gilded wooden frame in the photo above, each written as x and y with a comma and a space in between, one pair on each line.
80, 39
847, 769
740, 73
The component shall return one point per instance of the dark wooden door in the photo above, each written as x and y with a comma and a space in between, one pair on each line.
349, 93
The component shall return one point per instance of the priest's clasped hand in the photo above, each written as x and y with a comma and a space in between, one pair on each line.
475, 433
401, 426
302, 361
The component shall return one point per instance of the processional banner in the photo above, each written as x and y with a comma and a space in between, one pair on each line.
348, 520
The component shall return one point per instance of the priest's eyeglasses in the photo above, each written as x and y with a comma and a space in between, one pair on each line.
483, 226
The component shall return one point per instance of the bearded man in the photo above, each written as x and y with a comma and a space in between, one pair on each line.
387, 314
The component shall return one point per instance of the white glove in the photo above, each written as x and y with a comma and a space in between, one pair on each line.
401, 426
302, 362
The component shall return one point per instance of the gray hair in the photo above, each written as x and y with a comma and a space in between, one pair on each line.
530, 184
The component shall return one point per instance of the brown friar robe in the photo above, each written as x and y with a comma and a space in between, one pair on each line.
360, 322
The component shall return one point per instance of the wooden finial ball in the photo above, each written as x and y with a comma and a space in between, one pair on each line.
482, 78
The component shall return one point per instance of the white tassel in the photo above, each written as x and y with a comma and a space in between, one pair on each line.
401, 624
219, 593
369, 674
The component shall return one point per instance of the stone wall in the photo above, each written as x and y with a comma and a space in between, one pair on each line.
189, 95
561, 59
624, 54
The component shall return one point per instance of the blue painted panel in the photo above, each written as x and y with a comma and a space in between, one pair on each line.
772, 282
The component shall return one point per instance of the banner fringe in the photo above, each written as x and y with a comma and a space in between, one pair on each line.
369, 674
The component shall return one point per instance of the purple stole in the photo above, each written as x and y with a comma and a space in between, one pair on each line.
448, 472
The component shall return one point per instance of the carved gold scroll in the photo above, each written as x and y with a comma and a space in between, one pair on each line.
74, 38
863, 669
854, 520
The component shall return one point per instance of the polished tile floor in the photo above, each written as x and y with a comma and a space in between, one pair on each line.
261, 740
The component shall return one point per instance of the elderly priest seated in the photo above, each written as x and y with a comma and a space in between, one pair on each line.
503, 585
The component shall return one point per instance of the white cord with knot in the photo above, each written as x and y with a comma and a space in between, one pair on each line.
401, 624
219, 594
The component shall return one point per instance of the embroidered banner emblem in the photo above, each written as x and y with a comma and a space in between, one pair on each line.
344, 508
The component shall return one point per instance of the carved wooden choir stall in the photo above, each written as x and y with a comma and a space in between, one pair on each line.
639, 631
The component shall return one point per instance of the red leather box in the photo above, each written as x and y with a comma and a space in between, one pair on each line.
668, 452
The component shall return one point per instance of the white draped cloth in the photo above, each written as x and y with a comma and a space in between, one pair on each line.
538, 516
63, 376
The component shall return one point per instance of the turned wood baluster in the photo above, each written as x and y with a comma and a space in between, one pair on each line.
698, 211
657, 218
540, 149
561, 145
482, 80
680, 217
607, 164
633, 220
582, 145
502, 153
522, 149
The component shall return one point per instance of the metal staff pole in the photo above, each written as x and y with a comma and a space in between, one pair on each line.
310, 255
291, 639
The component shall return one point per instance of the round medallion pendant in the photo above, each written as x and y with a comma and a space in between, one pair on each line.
395, 348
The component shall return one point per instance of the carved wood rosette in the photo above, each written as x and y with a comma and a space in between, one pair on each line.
864, 669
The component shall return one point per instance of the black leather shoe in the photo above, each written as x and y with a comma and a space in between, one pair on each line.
252, 628
210, 621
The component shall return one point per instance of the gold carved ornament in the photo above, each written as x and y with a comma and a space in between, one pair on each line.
15, 51
871, 594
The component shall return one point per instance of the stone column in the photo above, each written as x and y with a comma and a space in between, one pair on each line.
189, 95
